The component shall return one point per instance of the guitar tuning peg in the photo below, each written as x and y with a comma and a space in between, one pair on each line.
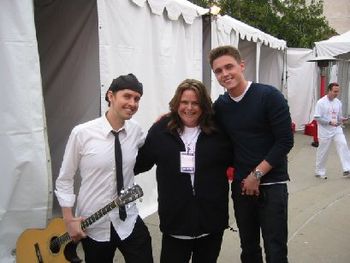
122, 191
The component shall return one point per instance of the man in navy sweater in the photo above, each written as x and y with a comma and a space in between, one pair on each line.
256, 117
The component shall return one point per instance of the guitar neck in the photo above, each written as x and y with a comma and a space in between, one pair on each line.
97, 215
90, 220
126, 197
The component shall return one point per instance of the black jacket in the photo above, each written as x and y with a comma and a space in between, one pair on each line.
183, 210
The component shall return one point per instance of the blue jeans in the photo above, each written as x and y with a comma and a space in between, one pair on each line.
268, 212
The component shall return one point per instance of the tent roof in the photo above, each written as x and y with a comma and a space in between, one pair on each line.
190, 11
250, 33
337, 45
174, 8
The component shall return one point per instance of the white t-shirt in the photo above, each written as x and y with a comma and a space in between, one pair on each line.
328, 110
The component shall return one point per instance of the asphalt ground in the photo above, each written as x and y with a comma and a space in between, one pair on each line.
319, 212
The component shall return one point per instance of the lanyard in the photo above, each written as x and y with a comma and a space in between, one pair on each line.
189, 141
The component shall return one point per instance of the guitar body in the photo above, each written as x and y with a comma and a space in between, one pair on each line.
33, 245
53, 244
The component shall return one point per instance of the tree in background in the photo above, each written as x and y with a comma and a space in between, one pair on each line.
299, 22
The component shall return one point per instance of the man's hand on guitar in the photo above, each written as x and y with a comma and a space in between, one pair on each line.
73, 226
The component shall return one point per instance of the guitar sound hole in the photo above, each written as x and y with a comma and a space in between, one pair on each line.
54, 245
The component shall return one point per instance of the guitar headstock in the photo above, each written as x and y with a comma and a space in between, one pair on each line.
129, 195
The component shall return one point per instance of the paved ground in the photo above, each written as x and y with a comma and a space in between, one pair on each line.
319, 212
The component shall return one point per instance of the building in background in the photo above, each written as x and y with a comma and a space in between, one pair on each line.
338, 14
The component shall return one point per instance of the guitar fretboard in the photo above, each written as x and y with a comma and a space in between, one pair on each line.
96, 216
126, 197
86, 223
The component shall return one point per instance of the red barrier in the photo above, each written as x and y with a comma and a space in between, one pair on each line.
311, 130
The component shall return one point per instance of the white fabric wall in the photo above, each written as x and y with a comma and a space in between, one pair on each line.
160, 49
302, 85
25, 177
343, 78
249, 52
272, 75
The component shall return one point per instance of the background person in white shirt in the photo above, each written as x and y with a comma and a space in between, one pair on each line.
328, 114
90, 149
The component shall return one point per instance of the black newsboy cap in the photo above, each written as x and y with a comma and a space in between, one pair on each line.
126, 82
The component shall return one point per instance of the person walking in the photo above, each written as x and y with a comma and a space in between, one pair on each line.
256, 117
329, 117
91, 149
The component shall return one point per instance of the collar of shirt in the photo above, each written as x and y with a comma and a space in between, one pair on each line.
240, 97
107, 128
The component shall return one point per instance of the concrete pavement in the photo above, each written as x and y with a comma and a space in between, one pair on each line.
319, 212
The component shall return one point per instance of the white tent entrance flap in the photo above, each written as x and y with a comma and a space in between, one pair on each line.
24, 186
302, 83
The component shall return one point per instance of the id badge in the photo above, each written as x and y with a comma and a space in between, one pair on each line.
186, 162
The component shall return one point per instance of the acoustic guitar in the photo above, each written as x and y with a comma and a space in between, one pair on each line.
51, 245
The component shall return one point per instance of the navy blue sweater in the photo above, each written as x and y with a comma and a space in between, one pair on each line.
260, 128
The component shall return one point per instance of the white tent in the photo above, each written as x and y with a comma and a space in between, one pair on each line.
339, 47
302, 83
304, 76
335, 46
257, 48
57, 59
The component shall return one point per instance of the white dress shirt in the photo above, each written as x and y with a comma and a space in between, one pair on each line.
90, 149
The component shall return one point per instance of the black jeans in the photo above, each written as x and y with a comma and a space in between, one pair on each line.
268, 212
135, 248
205, 249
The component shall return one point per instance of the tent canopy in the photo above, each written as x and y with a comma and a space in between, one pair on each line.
335, 46
174, 9
250, 33
339, 47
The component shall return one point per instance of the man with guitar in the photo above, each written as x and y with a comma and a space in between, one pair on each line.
92, 149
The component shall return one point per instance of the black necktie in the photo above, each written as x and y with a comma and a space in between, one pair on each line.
119, 171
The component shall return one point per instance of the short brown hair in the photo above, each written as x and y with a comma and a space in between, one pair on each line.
206, 122
331, 85
222, 51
